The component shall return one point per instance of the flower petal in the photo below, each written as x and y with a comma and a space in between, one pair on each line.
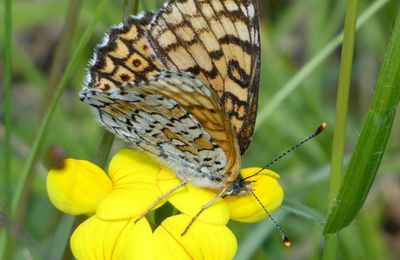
267, 189
78, 187
134, 176
202, 241
189, 199
99, 239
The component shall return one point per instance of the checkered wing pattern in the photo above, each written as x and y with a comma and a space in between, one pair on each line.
182, 84
176, 117
218, 41
123, 56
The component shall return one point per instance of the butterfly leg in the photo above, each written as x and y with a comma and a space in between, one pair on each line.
147, 211
204, 207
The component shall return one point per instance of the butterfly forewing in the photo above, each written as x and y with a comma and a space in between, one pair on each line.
124, 56
218, 41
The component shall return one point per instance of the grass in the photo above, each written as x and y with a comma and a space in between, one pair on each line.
7, 108
371, 144
300, 73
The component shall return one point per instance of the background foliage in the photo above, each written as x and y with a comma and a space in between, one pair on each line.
294, 33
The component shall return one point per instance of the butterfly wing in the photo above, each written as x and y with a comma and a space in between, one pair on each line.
123, 56
175, 116
218, 41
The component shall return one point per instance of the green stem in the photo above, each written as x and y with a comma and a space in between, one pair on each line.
342, 103
307, 69
25, 175
104, 148
330, 248
341, 116
7, 108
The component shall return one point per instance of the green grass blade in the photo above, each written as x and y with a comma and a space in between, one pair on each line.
7, 107
7, 110
371, 144
342, 102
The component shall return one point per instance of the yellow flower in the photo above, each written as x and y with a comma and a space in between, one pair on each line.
136, 180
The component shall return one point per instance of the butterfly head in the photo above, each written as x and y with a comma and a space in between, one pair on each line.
239, 187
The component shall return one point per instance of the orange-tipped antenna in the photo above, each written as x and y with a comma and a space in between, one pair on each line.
284, 237
319, 130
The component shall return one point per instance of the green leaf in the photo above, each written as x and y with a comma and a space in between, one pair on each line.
371, 144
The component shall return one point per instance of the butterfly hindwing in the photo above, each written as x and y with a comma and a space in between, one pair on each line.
175, 116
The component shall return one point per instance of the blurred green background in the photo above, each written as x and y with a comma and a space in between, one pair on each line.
46, 33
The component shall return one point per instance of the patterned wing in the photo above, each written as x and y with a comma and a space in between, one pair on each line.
123, 56
175, 116
218, 41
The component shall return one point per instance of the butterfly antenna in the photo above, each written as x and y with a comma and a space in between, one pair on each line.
284, 237
319, 130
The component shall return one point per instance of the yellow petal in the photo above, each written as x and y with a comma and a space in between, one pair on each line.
267, 189
78, 187
202, 241
99, 239
134, 176
189, 199
133, 161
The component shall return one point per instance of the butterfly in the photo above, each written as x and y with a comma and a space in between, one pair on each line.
182, 84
